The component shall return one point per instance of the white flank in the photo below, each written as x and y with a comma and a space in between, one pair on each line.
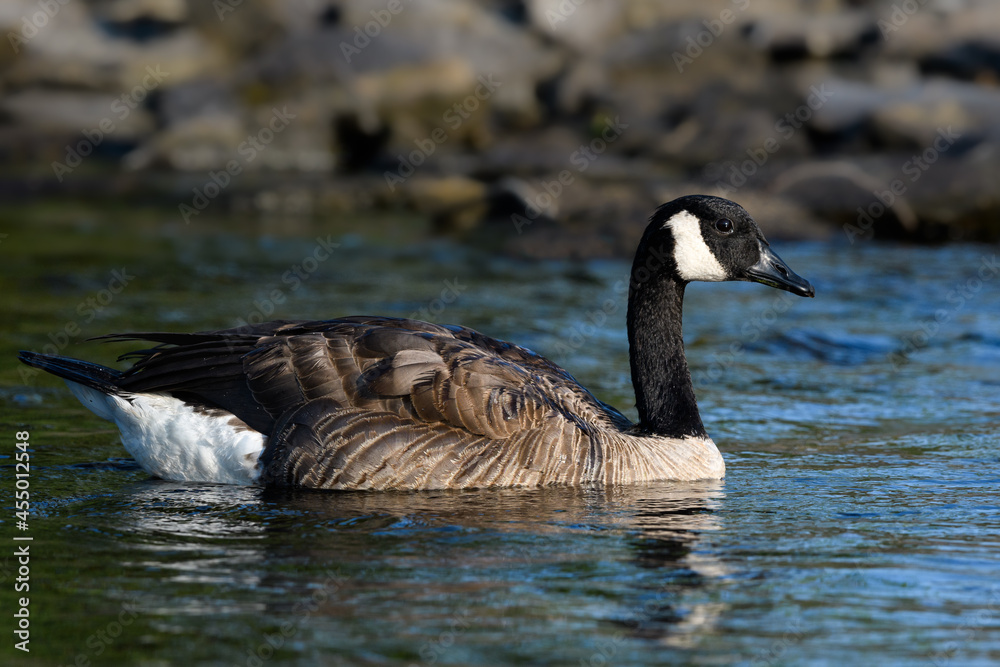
171, 440
694, 259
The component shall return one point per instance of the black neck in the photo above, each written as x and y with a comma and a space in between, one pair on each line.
663, 390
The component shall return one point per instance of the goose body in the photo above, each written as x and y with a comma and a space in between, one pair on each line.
389, 403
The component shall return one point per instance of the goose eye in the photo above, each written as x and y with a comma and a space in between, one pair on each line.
724, 226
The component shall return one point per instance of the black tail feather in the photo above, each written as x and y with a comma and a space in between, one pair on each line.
86, 373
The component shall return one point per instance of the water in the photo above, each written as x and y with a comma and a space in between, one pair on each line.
858, 522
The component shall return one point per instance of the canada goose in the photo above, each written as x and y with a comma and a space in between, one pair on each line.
388, 403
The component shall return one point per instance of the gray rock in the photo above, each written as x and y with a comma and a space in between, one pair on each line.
68, 113
823, 35
911, 115
450, 29
584, 26
934, 28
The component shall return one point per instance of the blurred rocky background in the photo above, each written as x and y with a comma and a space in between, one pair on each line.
548, 127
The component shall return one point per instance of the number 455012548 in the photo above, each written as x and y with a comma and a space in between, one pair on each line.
22, 471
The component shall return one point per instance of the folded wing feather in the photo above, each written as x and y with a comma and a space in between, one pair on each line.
383, 402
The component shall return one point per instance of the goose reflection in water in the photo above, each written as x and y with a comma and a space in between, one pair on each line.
670, 529
632, 558
196, 536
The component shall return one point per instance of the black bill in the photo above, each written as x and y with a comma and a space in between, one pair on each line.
771, 270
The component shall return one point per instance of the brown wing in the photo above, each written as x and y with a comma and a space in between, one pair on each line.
383, 402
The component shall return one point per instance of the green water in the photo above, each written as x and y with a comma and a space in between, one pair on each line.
858, 524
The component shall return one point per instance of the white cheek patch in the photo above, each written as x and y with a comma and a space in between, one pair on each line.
694, 259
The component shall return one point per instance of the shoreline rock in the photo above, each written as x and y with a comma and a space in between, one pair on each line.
471, 113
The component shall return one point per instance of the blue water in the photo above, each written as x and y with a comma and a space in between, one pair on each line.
859, 521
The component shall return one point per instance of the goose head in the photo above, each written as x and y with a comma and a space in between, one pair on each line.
714, 239
692, 238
